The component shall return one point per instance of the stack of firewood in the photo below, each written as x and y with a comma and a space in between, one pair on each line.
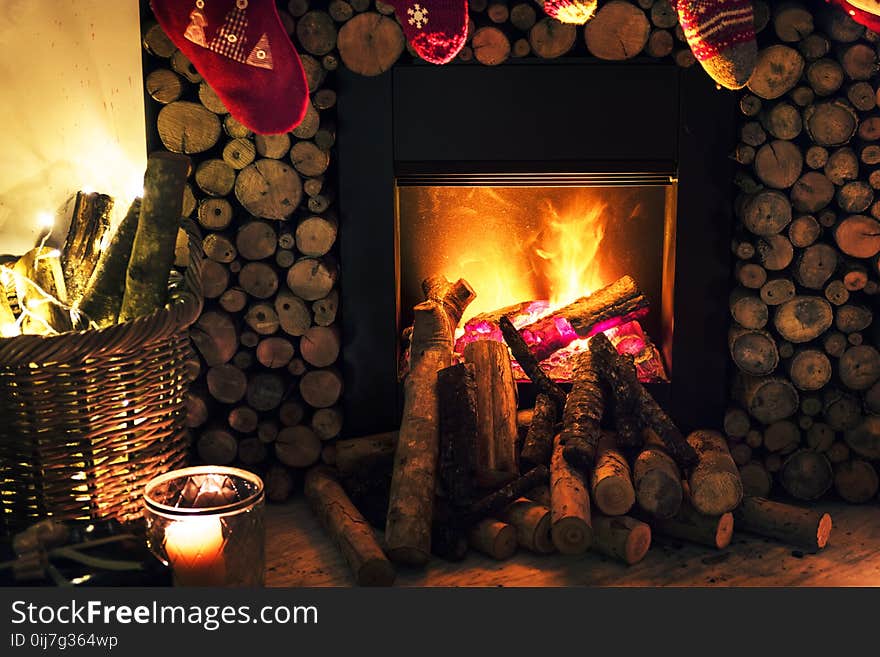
600, 467
803, 338
265, 388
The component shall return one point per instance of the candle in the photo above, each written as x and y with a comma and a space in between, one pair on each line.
206, 523
195, 551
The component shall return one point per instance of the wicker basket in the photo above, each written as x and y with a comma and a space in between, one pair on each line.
88, 417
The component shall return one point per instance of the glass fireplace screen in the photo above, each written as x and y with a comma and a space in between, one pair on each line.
529, 245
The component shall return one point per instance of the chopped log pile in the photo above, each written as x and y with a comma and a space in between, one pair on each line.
457, 477
803, 340
267, 384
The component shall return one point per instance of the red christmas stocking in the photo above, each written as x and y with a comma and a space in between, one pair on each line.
436, 29
244, 53
863, 12
721, 34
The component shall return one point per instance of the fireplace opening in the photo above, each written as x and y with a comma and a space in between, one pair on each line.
534, 139
532, 244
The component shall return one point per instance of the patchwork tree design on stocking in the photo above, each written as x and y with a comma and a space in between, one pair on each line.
243, 52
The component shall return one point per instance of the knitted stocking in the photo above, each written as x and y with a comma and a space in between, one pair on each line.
244, 54
721, 34
436, 29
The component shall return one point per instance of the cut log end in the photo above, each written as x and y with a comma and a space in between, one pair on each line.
724, 531
571, 535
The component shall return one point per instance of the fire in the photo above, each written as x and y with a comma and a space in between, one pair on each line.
569, 246
553, 254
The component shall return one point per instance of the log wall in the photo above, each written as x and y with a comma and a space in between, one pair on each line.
802, 342
802, 338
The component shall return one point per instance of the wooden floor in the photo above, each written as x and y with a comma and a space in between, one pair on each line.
298, 553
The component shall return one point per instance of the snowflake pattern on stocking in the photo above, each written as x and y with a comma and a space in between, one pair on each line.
418, 16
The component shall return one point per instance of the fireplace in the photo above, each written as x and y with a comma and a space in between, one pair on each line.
453, 170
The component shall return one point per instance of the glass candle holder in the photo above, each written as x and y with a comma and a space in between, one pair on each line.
206, 523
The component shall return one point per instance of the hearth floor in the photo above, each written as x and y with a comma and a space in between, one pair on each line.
298, 553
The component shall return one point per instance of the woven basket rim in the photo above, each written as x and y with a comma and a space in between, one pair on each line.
178, 314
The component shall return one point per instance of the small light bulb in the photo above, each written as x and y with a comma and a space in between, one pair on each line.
45, 220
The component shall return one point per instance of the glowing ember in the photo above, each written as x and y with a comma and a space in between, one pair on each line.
560, 342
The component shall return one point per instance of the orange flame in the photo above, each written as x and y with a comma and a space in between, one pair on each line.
558, 261
569, 245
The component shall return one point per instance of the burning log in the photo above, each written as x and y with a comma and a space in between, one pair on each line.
529, 364
409, 520
459, 429
571, 530
612, 305
784, 522
583, 414
623, 379
347, 527
496, 408
622, 537
538, 444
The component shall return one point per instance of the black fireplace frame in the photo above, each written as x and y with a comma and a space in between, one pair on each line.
561, 116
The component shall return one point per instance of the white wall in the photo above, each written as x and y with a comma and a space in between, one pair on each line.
71, 110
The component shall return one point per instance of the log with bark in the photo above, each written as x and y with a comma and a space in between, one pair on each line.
347, 527
790, 524
582, 416
85, 240
657, 481
529, 363
715, 486
492, 504
806, 475
571, 529
533, 524
622, 537
409, 520
649, 411
611, 479
493, 538
691, 525
459, 431
152, 255
610, 306
538, 443
496, 397
103, 294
